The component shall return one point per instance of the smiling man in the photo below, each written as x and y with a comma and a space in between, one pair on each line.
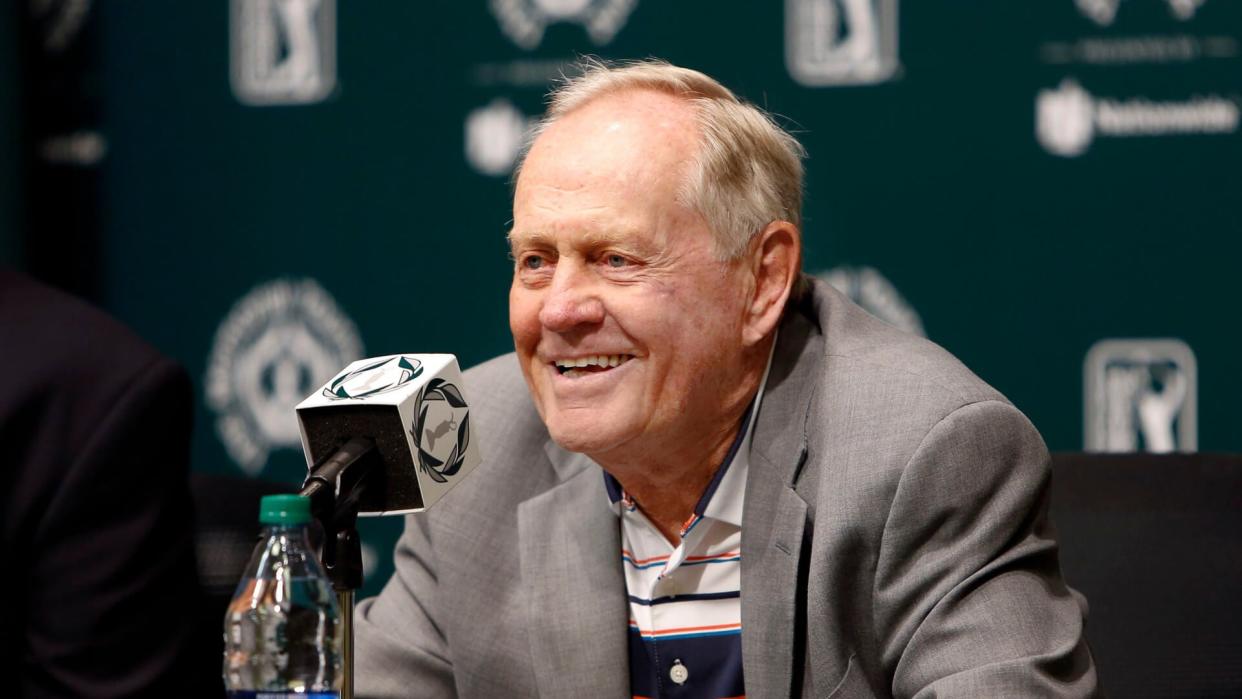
705, 476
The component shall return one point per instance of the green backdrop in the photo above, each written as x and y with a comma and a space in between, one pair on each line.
1016, 258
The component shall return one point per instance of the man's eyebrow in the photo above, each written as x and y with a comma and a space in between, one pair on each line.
528, 238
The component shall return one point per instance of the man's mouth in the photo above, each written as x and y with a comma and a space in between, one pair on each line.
582, 366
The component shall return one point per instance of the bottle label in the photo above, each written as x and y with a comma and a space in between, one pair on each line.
267, 694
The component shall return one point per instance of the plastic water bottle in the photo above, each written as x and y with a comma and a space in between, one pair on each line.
282, 629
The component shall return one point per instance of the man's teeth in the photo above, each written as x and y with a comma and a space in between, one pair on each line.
600, 360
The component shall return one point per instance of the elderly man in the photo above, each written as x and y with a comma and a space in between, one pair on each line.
704, 476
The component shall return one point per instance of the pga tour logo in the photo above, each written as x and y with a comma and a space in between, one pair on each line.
282, 51
841, 42
1140, 395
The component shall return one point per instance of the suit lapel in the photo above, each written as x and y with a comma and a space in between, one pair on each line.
775, 518
571, 571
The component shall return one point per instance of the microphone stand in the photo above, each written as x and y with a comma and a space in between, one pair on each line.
334, 486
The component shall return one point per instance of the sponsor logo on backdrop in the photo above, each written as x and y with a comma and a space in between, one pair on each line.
1068, 118
80, 148
841, 42
524, 21
1140, 395
1065, 119
278, 343
495, 135
441, 429
1103, 12
496, 132
878, 296
1150, 44
283, 51
59, 21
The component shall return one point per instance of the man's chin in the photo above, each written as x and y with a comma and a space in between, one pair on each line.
583, 438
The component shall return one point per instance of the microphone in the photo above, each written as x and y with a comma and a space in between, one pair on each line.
389, 434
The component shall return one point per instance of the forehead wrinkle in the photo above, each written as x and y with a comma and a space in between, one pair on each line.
585, 238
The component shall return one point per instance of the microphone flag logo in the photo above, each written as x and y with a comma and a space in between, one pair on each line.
373, 379
441, 430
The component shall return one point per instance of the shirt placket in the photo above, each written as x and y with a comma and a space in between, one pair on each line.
667, 584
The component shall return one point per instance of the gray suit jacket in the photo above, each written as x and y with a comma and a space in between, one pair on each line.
894, 543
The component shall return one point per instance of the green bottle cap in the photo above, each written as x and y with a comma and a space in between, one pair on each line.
284, 509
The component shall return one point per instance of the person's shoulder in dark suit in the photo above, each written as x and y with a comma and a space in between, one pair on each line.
96, 516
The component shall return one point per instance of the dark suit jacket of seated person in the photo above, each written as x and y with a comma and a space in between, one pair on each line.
99, 585
704, 475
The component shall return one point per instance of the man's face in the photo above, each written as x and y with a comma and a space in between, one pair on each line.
613, 273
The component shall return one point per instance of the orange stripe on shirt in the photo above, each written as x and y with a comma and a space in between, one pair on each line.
731, 554
690, 629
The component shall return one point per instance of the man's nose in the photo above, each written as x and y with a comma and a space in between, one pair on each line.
572, 300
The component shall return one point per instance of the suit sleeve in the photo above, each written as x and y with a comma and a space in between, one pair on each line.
969, 595
401, 650
113, 590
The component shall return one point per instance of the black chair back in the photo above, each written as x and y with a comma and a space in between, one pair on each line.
1155, 544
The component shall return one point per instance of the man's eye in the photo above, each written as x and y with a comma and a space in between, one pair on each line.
616, 261
533, 262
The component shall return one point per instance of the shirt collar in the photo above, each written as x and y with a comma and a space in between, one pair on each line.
725, 494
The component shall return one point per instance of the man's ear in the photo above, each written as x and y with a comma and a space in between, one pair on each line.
775, 259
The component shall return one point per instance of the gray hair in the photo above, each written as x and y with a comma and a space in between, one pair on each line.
748, 171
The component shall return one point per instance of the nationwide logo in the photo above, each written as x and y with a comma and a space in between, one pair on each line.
1065, 119
277, 344
841, 42
1140, 395
283, 51
1103, 12
869, 289
1068, 118
524, 21
495, 135
441, 429
374, 379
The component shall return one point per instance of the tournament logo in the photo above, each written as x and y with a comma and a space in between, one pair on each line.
1140, 395
282, 51
841, 42
374, 379
441, 430
869, 289
495, 135
1103, 12
524, 21
1065, 119
278, 343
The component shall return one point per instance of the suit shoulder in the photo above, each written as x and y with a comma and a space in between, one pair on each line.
496, 390
511, 435
866, 351
57, 334
76, 371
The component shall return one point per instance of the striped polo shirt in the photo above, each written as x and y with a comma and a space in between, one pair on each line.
685, 626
